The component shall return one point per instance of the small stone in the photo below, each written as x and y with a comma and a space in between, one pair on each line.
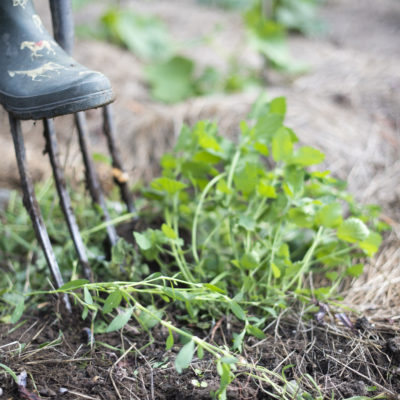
63, 391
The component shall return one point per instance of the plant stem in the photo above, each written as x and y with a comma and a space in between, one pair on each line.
197, 213
306, 261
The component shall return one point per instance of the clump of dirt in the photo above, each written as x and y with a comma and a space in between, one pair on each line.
55, 352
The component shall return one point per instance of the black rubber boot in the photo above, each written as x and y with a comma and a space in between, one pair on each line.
37, 78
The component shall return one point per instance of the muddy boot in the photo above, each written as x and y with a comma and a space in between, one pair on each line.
37, 78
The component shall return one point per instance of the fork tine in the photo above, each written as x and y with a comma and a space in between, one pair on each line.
120, 176
32, 205
58, 173
63, 27
92, 180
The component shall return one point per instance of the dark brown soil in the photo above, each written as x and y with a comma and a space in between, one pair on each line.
55, 353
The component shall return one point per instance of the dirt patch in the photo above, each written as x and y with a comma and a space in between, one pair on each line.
342, 361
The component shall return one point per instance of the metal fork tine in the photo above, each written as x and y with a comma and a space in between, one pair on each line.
91, 176
32, 205
120, 176
63, 27
58, 173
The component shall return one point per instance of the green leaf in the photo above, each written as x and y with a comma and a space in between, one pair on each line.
223, 187
225, 372
278, 106
261, 148
150, 319
306, 156
294, 181
185, 356
353, 230
206, 158
276, 271
267, 125
237, 310
76, 284
85, 312
113, 300
301, 218
87, 296
256, 332
200, 352
330, 215
207, 142
282, 145
172, 81
246, 178
171, 186
120, 320
229, 360
247, 223
249, 261
18, 311
258, 109
355, 270
238, 340
371, 244
142, 241
214, 288
266, 190
168, 232
145, 36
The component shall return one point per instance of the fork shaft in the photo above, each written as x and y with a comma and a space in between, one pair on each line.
65, 201
63, 23
32, 205
120, 176
92, 180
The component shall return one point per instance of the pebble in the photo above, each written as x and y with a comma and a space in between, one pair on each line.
63, 391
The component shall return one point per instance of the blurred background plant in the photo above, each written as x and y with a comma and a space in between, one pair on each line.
174, 77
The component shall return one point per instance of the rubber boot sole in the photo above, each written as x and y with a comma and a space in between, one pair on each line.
58, 108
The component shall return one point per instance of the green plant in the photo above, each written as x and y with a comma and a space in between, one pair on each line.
296, 15
269, 37
173, 77
249, 218
145, 36
241, 228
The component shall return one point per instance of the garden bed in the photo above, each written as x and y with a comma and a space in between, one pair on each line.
342, 361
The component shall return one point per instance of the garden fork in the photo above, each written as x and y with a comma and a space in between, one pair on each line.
63, 28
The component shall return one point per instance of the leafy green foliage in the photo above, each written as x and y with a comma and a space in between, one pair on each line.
172, 81
173, 77
143, 35
254, 231
297, 15
269, 37
237, 227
